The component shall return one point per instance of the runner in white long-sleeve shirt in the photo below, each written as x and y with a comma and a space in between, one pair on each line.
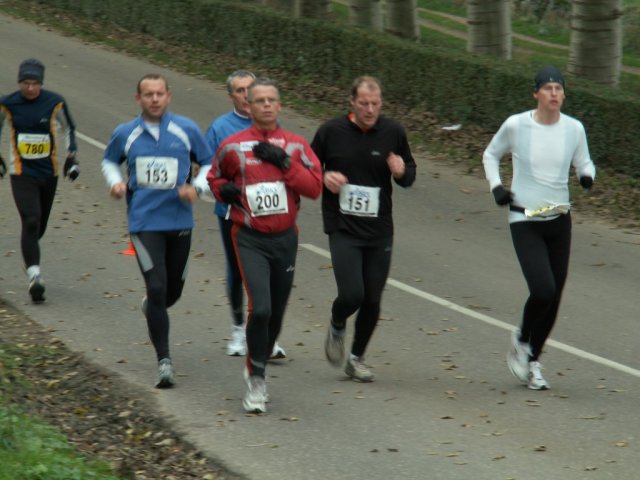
544, 143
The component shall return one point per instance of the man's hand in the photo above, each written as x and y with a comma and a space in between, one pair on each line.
334, 181
71, 168
586, 183
118, 190
502, 195
3, 167
230, 193
187, 193
396, 165
267, 152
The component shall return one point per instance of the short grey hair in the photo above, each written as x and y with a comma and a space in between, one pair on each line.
238, 74
262, 82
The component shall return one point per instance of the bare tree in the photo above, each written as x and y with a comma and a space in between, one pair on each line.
489, 23
402, 18
318, 9
366, 13
595, 52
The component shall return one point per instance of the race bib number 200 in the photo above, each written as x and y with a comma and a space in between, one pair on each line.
33, 146
157, 172
267, 198
359, 200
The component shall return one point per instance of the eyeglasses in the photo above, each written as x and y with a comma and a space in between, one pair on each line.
265, 100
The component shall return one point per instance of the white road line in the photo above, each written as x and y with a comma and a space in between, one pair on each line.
490, 320
90, 141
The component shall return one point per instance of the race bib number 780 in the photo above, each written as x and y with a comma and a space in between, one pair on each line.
33, 146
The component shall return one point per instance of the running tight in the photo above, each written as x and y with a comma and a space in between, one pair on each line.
361, 268
34, 198
543, 249
163, 259
235, 291
267, 263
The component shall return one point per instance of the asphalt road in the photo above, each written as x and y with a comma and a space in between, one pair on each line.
444, 405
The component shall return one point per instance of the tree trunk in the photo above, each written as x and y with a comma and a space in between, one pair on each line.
318, 9
366, 13
288, 6
489, 23
402, 19
596, 40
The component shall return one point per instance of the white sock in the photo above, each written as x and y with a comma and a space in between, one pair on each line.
33, 271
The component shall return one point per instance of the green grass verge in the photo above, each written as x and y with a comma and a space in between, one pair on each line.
31, 449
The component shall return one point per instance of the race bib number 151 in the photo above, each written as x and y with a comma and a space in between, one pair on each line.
359, 200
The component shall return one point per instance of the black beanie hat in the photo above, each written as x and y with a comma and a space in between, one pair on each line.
548, 74
31, 69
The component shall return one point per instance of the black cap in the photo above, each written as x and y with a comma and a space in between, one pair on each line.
548, 74
31, 69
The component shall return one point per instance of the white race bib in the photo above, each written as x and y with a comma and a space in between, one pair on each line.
33, 146
360, 201
267, 198
157, 172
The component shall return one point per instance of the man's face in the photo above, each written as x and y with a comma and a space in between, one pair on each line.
154, 98
265, 106
366, 105
30, 89
238, 95
550, 96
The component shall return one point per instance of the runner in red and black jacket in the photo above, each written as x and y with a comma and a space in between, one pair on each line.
262, 172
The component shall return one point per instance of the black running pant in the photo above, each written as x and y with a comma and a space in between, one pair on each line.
163, 259
34, 198
235, 290
543, 249
267, 263
361, 268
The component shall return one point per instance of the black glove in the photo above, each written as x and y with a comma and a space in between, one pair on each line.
3, 167
502, 195
230, 193
272, 154
586, 182
71, 168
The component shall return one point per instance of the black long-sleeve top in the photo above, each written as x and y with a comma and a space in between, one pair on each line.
361, 156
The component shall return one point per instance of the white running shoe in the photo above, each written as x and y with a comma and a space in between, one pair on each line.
518, 358
334, 347
166, 374
237, 346
536, 380
36, 289
358, 371
256, 397
278, 352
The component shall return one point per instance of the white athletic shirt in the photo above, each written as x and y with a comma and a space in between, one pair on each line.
542, 156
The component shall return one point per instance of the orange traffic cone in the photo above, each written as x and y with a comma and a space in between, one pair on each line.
130, 251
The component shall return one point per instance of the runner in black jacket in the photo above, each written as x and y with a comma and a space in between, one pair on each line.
360, 153
41, 130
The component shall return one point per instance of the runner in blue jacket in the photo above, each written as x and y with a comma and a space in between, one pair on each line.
160, 149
